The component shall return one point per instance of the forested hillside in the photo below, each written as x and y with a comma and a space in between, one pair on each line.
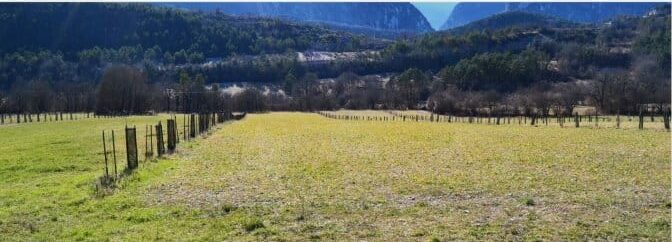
65, 46
73, 27
516, 19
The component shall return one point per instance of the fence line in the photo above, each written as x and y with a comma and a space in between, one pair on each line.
533, 120
155, 135
19, 118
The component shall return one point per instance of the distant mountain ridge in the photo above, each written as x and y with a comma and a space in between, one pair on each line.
386, 18
588, 12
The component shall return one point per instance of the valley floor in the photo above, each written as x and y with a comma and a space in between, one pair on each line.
301, 176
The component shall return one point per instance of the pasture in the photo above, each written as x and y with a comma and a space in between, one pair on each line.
302, 176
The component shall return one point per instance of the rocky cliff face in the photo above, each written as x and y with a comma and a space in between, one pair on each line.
390, 17
465, 13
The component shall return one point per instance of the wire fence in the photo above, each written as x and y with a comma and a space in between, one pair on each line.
576, 120
157, 143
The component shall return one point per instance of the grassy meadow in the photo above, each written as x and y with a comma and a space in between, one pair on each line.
302, 176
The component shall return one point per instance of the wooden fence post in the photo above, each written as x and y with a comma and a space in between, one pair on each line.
131, 149
146, 144
200, 123
618, 119
114, 155
171, 135
192, 126
151, 139
184, 126
204, 123
666, 118
534, 119
211, 121
107, 173
641, 118
160, 148
202, 127
177, 131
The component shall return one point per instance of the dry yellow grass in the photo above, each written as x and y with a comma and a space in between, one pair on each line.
306, 176
301, 176
360, 113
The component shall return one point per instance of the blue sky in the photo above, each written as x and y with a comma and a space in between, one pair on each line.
435, 12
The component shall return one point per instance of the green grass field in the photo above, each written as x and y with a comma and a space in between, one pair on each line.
301, 176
